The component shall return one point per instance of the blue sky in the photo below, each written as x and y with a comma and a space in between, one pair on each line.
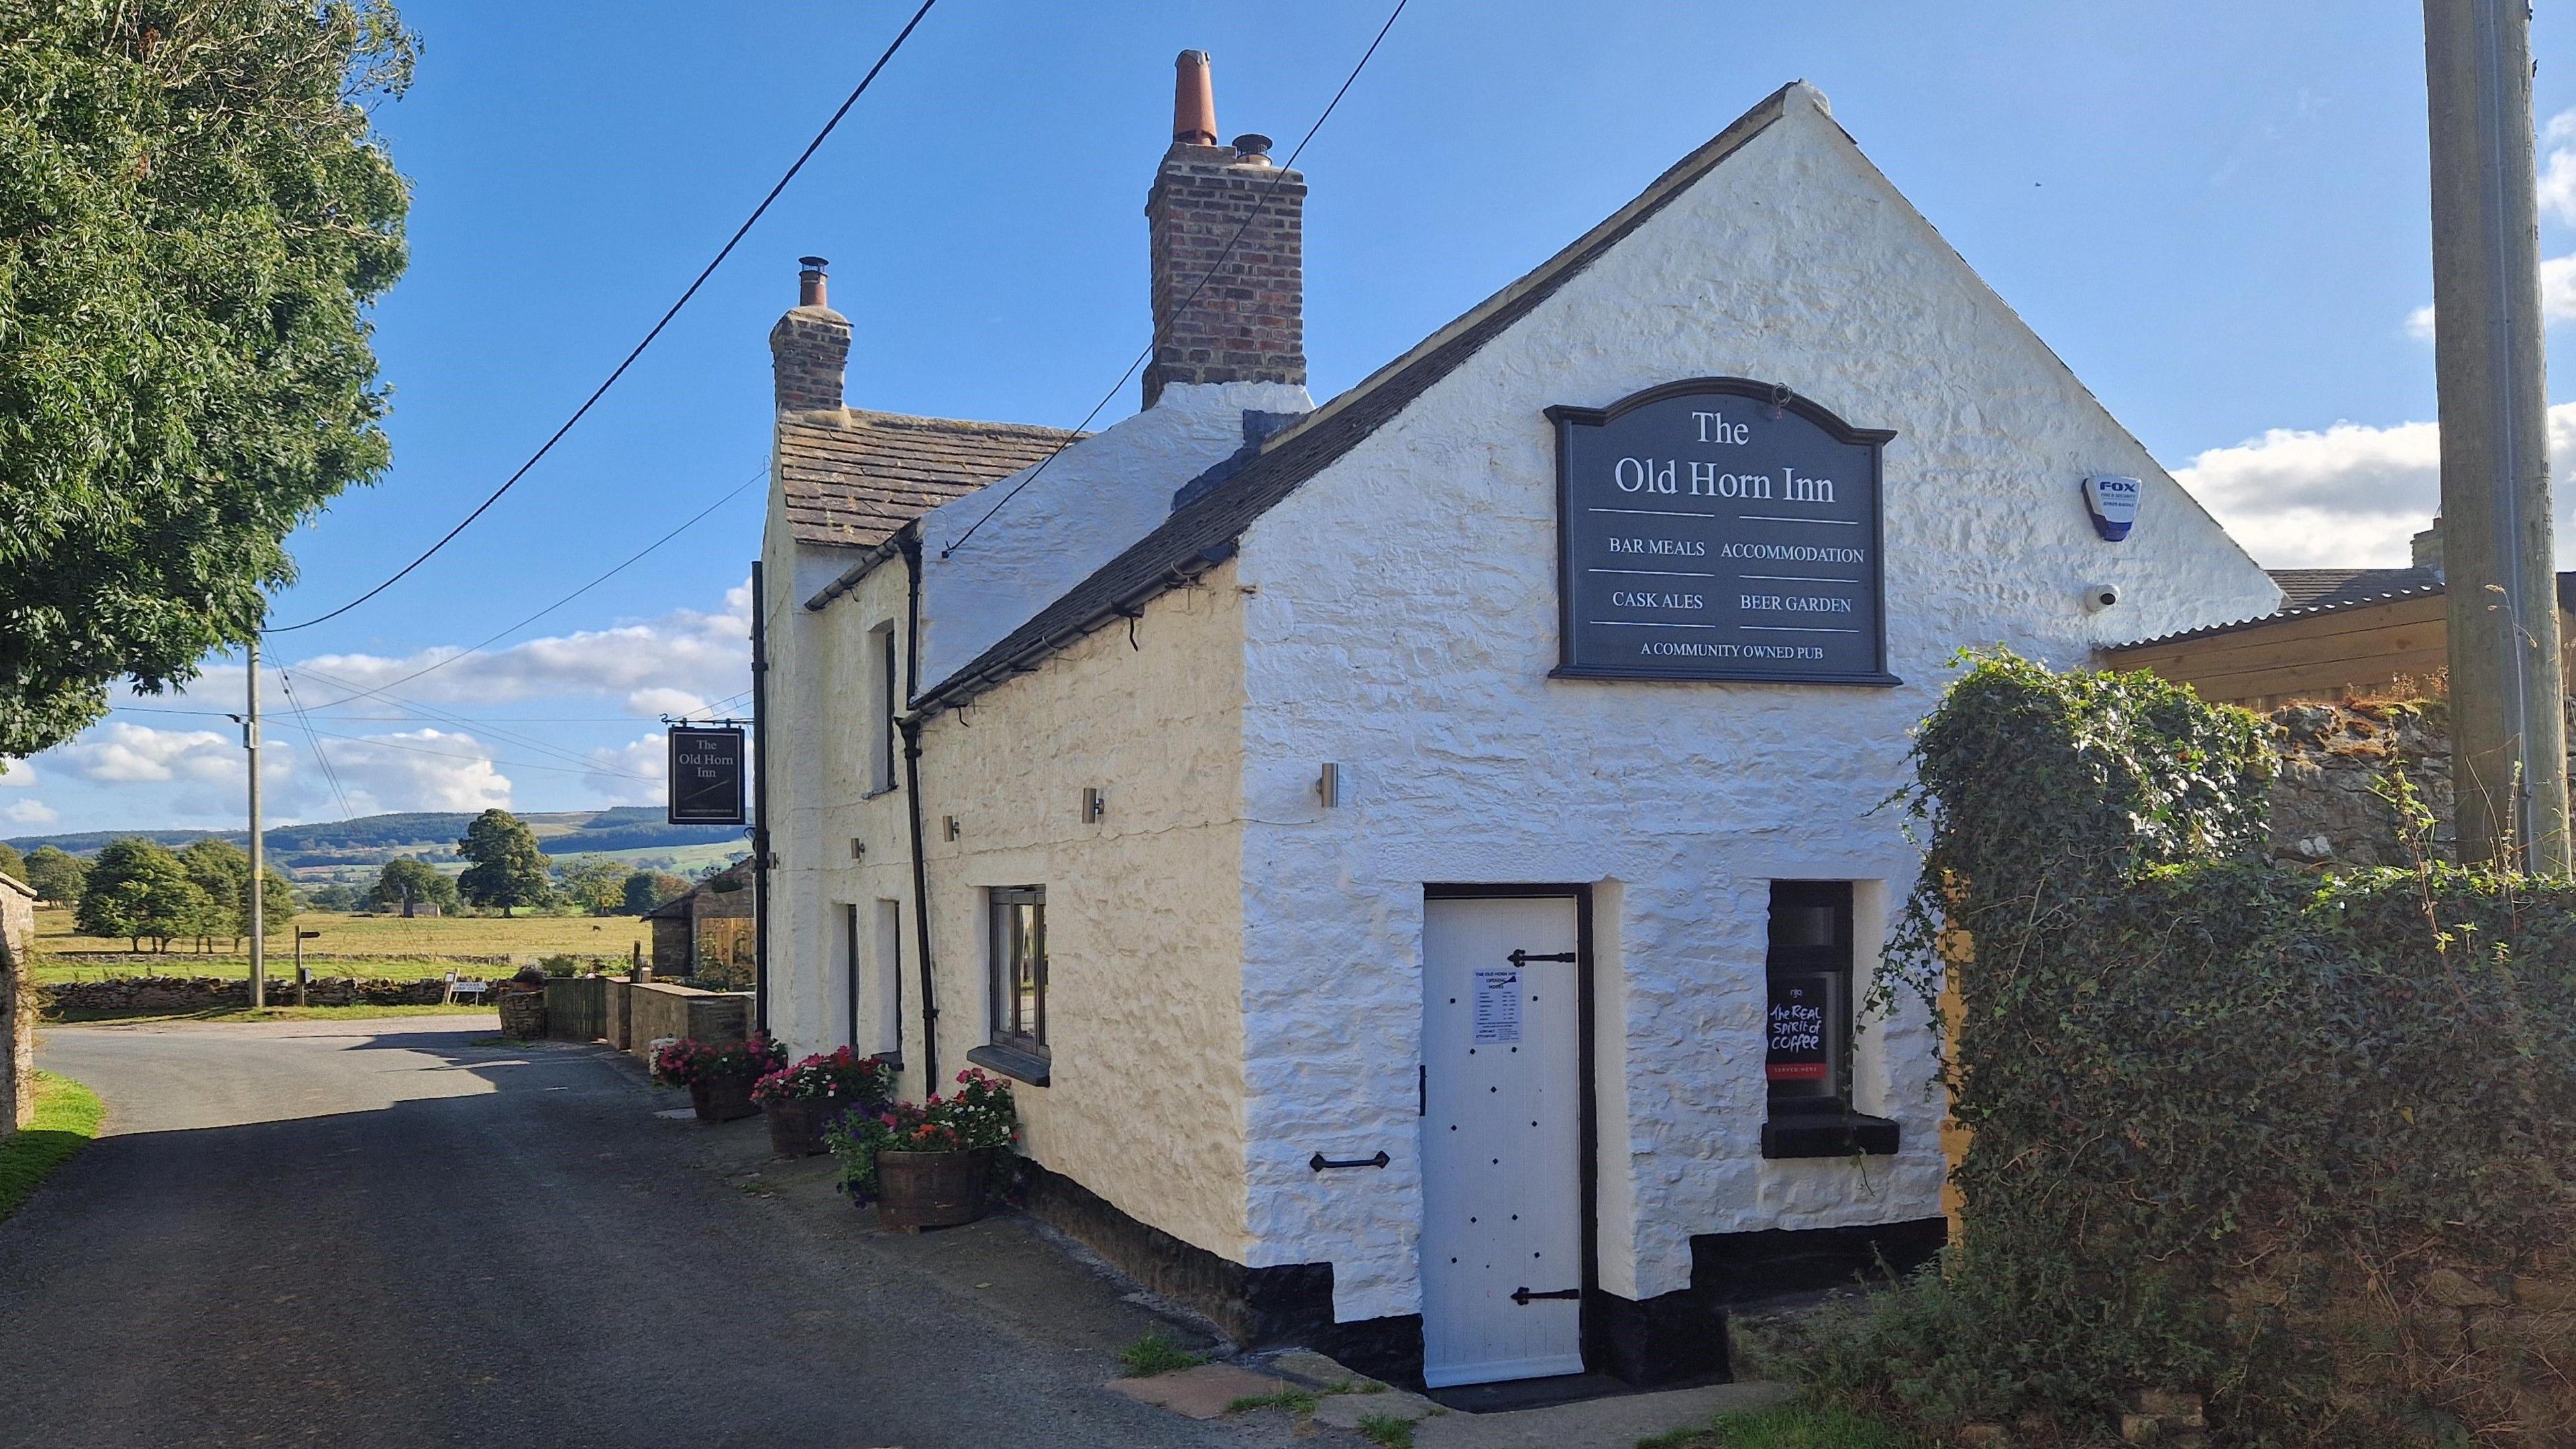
2214, 212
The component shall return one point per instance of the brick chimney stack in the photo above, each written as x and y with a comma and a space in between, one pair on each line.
809, 347
1248, 322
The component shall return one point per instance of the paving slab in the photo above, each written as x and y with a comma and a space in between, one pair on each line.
1202, 1392
1617, 1422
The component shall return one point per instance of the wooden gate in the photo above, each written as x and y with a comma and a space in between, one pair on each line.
577, 1008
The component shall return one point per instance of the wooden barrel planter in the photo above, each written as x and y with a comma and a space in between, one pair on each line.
523, 1014
917, 1190
722, 1099
796, 1128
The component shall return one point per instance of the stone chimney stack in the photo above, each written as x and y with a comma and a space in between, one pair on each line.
1244, 319
809, 347
2428, 547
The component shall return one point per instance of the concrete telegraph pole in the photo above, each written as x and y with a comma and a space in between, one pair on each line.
2509, 733
258, 854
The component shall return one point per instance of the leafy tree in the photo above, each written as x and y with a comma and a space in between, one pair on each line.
596, 884
222, 870
56, 874
194, 212
507, 869
409, 884
333, 896
646, 889
12, 864
137, 889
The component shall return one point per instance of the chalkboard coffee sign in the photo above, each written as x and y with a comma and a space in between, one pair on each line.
1719, 528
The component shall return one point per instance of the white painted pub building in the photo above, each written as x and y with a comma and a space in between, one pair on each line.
1417, 854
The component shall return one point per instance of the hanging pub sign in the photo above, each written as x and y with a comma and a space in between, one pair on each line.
706, 776
1719, 529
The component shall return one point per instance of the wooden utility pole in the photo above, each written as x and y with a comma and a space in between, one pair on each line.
258, 854
2509, 728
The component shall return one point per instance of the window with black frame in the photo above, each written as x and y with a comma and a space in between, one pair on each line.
1807, 1027
1019, 968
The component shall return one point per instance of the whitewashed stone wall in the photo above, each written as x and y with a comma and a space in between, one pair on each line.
1080, 512
1144, 907
1402, 622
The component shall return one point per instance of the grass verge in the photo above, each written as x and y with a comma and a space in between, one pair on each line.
1790, 1426
1387, 1431
271, 1013
1156, 1353
67, 1117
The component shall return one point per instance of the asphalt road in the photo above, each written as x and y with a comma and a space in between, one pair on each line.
364, 1233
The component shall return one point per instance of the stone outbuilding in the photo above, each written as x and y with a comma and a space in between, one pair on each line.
707, 930
17, 1004
1419, 856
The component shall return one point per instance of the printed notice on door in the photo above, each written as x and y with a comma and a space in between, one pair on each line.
1498, 1006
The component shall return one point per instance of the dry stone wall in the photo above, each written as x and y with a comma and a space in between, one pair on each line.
17, 1007
2331, 805
138, 995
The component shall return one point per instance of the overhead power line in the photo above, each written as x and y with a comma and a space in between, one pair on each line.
1115, 388
620, 371
286, 682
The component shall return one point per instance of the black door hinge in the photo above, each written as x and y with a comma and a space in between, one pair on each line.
1523, 958
1525, 1297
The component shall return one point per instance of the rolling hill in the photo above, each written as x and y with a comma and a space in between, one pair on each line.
429, 834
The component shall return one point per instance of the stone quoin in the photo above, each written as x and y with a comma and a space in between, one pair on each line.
1419, 854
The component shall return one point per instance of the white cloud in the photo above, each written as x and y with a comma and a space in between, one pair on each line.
424, 769
16, 774
704, 654
615, 769
2558, 167
651, 702
29, 812
2419, 323
118, 753
2351, 495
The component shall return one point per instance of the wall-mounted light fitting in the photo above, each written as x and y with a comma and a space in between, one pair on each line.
948, 825
1094, 805
1328, 786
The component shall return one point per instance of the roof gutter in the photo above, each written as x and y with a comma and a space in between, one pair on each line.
996, 665
866, 565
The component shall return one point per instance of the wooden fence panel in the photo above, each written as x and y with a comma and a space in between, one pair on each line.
577, 1008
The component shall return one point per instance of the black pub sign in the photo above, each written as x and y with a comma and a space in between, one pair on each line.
1719, 528
706, 776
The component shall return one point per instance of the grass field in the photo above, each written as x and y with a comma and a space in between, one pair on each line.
386, 946
677, 859
67, 1117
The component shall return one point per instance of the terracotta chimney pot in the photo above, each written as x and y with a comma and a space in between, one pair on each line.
1193, 100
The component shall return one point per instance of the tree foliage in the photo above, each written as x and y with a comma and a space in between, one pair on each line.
222, 870
194, 212
12, 864
506, 869
646, 889
2236, 1128
406, 884
138, 889
595, 883
56, 874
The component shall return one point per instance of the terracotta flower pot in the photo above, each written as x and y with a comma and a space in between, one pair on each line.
722, 1099
796, 1127
917, 1190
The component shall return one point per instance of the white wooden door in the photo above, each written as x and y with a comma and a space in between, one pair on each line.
1502, 1189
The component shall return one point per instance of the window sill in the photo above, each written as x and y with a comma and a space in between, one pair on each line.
872, 794
1013, 1062
1828, 1134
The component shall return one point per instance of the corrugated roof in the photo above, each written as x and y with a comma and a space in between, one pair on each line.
1202, 532
851, 482
2310, 592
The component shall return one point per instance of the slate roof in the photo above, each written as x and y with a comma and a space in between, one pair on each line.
2327, 588
851, 482
1203, 530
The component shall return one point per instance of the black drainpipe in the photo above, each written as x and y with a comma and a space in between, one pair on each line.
912, 723
759, 804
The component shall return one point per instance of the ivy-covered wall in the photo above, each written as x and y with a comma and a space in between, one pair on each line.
2294, 1143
